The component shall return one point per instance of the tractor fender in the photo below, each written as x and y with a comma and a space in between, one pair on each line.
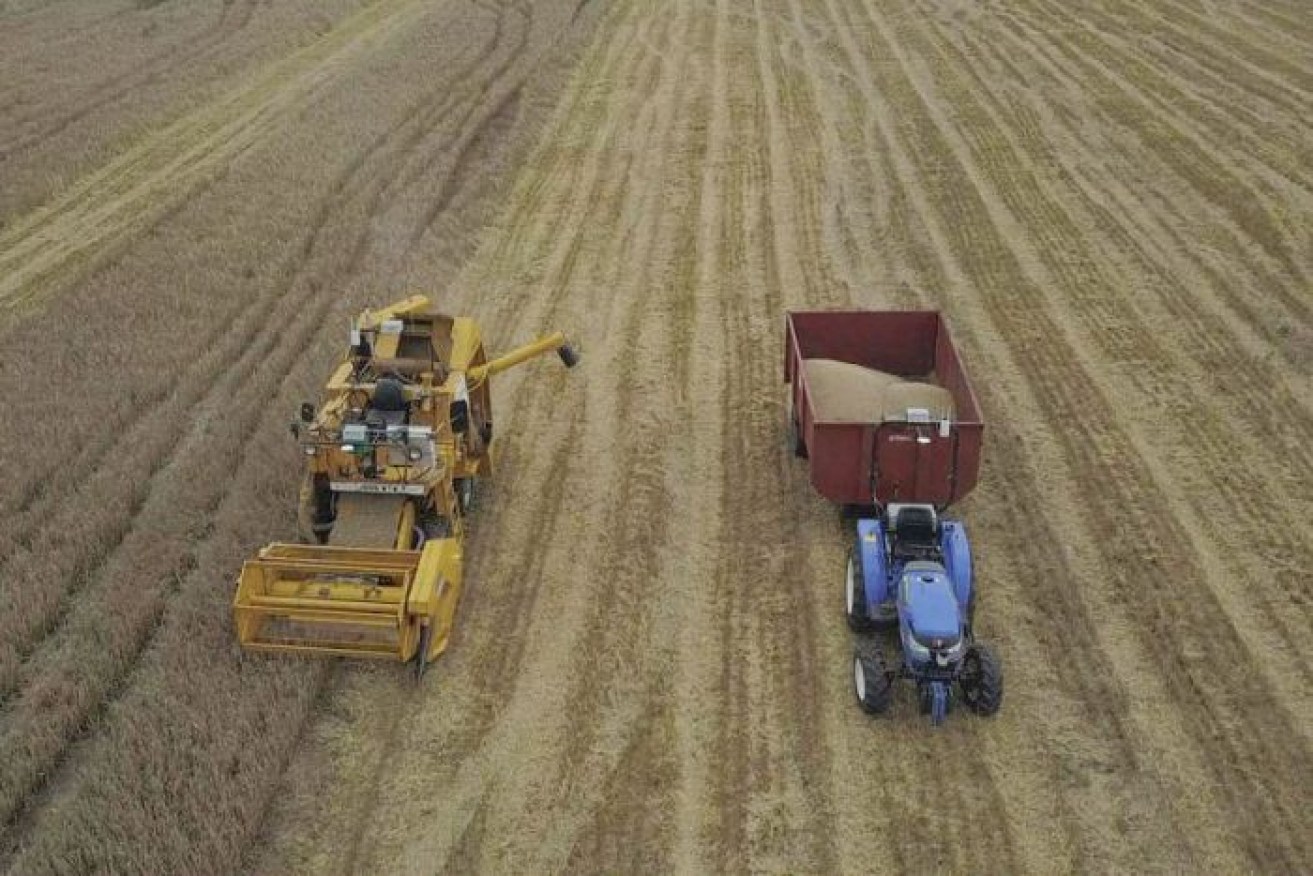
875, 574
956, 547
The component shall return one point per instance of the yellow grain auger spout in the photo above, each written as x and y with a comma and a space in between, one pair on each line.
392, 456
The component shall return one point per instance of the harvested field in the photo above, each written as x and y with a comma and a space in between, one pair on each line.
1112, 201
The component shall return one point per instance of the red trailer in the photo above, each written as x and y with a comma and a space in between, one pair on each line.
922, 453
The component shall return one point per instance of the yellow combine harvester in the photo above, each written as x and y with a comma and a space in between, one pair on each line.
392, 457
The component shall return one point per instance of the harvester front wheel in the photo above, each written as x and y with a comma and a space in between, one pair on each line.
871, 680
464, 494
305, 511
982, 680
854, 588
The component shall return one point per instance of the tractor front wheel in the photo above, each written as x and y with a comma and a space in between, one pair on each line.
982, 680
871, 680
855, 594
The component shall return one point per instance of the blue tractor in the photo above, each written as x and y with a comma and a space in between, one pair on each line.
911, 570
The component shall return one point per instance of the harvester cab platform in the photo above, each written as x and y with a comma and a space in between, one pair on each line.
392, 455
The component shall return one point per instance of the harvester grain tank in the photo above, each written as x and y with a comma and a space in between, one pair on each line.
392, 455
882, 409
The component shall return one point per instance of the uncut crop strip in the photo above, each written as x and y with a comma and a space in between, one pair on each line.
396, 151
42, 251
25, 130
56, 561
136, 608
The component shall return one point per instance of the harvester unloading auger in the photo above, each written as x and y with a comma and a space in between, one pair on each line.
392, 457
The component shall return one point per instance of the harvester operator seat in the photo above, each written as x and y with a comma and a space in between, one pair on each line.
388, 407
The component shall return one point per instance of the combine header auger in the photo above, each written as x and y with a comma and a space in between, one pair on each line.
882, 408
392, 456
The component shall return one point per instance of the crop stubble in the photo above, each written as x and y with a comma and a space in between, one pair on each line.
1111, 203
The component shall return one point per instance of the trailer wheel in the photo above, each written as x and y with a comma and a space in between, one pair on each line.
854, 588
982, 680
871, 679
798, 446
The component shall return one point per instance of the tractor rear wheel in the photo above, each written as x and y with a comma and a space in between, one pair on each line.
871, 679
982, 680
855, 594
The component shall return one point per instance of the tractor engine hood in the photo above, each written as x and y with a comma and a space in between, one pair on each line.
929, 604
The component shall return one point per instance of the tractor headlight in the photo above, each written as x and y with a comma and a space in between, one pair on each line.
915, 648
414, 454
309, 450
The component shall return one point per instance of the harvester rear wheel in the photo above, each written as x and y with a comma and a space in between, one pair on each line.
855, 594
422, 655
871, 679
982, 680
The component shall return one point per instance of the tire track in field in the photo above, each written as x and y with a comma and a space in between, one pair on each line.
1268, 75
1220, 720
1163, 377
1228, 266
41, 252
1208, 102
1167, 80
971, 793
1101, 702
42, 124
1247, 275
618, 639
770, 739
1069, 155
496, 623
1292, 31
611, 621
1196, 163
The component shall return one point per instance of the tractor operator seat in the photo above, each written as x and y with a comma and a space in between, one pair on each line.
916, 532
